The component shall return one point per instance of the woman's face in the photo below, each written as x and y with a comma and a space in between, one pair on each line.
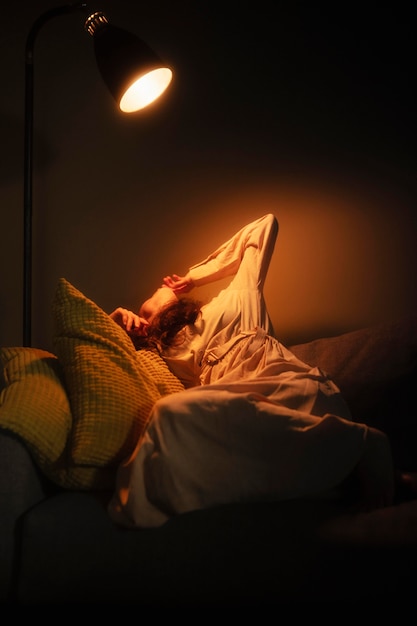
160, 299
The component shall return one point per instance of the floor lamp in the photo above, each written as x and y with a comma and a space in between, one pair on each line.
135, 77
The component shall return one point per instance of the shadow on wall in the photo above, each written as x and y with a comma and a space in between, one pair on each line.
345, 256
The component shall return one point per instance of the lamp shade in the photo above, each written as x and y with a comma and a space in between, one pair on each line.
133, 73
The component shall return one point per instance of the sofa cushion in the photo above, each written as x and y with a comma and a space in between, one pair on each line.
363, 362
111, 386
34, 406
375, 369
234, 555
34, 403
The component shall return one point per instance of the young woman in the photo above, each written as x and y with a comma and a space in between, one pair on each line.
184, 332
255, 422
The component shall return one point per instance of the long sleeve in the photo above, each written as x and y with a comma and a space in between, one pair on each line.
237, 308
258, 236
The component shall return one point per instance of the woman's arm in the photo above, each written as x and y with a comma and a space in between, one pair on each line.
226, 260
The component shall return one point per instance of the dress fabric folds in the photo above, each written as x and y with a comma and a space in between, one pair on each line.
255, 423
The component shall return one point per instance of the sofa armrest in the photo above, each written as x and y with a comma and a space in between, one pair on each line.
21, 487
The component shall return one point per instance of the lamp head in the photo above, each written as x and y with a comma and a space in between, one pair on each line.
134, 74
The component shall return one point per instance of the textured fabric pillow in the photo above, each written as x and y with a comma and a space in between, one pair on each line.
34, 406
111, 387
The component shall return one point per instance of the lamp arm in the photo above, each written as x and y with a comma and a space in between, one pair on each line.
28, 161
45, 17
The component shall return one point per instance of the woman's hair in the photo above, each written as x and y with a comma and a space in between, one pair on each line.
165, 326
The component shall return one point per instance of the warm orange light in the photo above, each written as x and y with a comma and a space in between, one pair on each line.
145, 90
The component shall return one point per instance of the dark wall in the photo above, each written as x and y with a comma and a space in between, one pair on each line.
302, 111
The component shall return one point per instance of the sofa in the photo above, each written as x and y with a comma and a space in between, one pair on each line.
59, 456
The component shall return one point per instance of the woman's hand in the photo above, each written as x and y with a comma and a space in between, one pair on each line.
179, 284
130, 322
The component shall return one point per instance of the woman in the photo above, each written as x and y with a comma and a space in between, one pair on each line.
236, 311
255, 422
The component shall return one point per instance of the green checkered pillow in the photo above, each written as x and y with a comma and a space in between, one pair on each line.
111, 386
35, 407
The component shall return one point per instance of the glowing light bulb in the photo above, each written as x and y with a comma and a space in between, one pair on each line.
145, 90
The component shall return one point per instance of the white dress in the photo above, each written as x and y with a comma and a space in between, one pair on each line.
236, 311
254, 423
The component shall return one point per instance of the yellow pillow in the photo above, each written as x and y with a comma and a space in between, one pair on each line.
35, 407
111, 387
